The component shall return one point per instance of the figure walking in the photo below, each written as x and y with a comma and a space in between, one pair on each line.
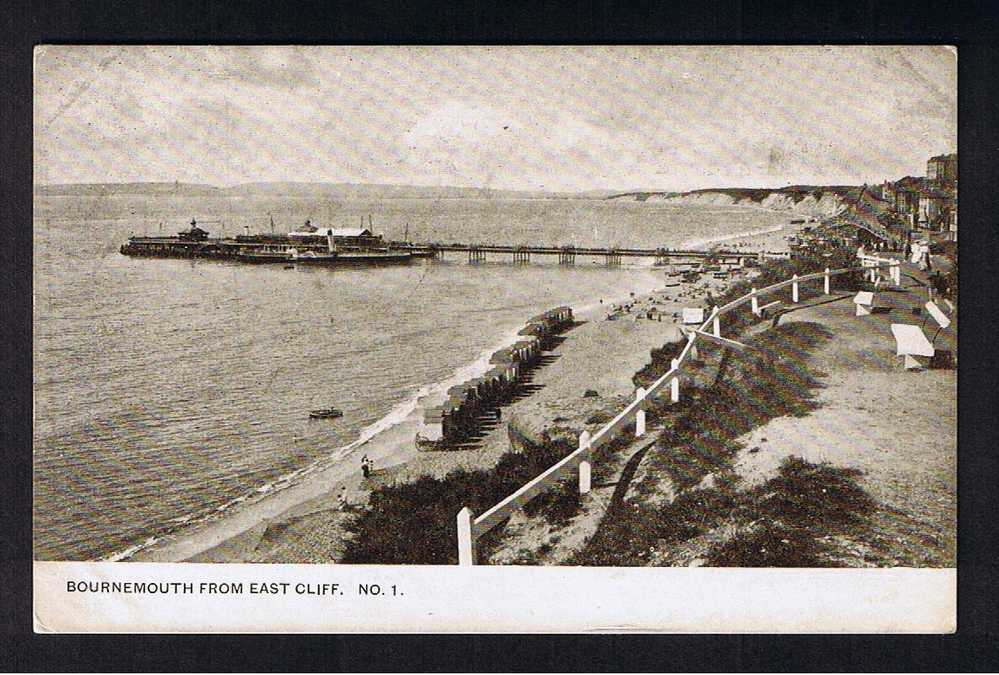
366, 466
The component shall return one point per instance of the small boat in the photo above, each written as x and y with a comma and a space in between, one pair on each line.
325, 413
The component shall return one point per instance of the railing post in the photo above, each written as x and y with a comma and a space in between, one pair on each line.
794, 289
584, 477
755, 301
717, 322
825, 282
674, 385
585, 470
466, 545
640, 413
693, 347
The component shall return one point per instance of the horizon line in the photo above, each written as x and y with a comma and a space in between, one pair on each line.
785, 185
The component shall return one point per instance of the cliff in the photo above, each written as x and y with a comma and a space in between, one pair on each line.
805, 200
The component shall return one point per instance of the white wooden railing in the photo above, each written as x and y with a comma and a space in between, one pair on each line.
471, 527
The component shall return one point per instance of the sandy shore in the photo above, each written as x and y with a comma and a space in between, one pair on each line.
303, 522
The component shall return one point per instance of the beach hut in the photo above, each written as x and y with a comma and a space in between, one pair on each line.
432, 428
526, 350
494, 376
502, 356
459, 415
481, 388
512, 374
449, 423
566, 317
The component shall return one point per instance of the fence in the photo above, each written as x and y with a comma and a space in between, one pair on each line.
471, 527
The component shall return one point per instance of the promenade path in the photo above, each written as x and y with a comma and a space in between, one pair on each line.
898, 427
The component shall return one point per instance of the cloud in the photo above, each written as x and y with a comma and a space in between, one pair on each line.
573, 118
458, 123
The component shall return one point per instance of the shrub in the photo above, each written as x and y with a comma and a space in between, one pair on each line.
659, 364
791, 514
414, 523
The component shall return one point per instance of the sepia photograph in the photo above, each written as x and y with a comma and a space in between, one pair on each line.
665, 307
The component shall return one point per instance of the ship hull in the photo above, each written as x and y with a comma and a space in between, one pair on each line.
222, 249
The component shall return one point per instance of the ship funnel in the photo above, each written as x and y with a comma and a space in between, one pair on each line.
329, 241
246, 228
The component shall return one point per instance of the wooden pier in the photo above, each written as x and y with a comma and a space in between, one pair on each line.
567, 255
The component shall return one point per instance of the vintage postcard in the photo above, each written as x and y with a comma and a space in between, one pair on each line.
526, 339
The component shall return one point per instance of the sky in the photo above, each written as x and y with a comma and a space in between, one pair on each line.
522, 118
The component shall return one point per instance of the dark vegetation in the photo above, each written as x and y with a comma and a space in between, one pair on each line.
771, 381
414, 523
789, 520
660, 363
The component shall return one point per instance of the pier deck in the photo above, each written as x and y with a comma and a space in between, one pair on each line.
567, 254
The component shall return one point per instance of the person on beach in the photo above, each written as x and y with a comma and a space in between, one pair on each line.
365, 467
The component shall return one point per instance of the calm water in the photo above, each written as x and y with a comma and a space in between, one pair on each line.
166, 389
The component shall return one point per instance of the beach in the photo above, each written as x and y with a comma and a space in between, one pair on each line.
303, 522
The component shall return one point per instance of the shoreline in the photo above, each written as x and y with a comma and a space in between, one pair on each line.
230, 533
389, 442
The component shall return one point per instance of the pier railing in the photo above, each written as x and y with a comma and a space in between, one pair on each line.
472, 527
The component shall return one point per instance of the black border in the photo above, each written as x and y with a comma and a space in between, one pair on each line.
975, 647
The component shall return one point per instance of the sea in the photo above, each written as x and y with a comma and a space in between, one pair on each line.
166, 391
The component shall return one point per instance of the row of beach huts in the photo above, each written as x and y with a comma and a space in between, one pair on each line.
449, 423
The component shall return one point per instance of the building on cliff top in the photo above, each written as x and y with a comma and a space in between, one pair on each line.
930, 201
936, 203
942, 168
